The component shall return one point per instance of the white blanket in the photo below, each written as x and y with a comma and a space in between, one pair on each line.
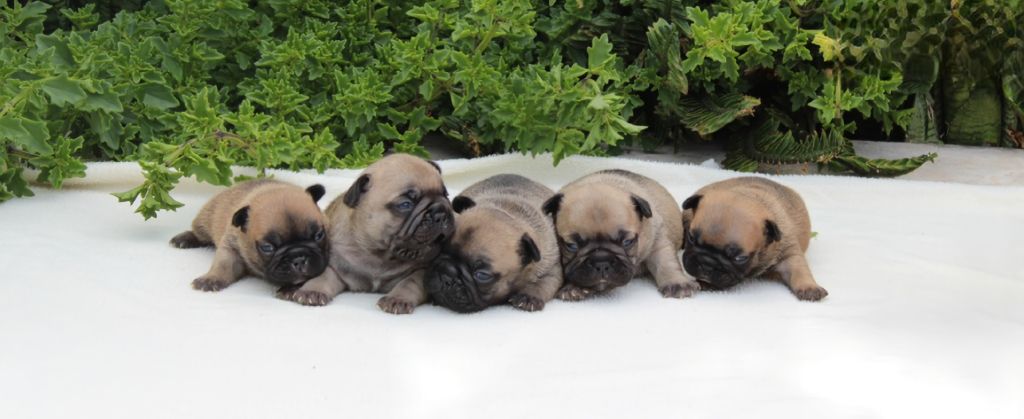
925, 319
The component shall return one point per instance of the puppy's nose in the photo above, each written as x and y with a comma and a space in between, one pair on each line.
300, 263
438, 215
603, 267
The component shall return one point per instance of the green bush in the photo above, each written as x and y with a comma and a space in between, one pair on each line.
191, 87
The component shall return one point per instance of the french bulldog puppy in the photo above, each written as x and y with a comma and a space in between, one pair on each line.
384, 232
266, 228
504, 249
748, 227
613, 225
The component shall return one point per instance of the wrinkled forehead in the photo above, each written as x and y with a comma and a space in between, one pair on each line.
481, 230
283, 222
722, 219
597, 213
409, 177
395, 167
480, 233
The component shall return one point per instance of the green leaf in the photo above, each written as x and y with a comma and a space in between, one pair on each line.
108, 102
663, 39
12, 184
64, 91
599, 53
363, 154
708, 114
830, 48
62, 164
30, 135
601, 59
106, 127
158, 96
389, 131
62, 58
153, 194
425, 13
627, 127
766, 144
883, 167
744, 39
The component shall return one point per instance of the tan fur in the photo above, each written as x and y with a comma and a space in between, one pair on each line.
507, 207
735, 210
270, 203
359, 236
600, 203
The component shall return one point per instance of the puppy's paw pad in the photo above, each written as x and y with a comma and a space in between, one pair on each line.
187, 240
209, 284
810, 294
526, 302
572, 293
304, 297
686, 289
395, 305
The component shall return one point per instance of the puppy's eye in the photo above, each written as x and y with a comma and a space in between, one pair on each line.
689, 237
741, 258
629, 242
483, 277
571, 247
319, 235
404, 206
266, 248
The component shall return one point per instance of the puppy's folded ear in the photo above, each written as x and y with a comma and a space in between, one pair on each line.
241, 218
771, 232
462, 203
692, 202
643, 208
316, 191
356, 191
433, 163
552, 205
528, 251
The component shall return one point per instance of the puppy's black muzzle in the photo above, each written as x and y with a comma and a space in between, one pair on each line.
711, 270
600, 269
296, 263
450, 285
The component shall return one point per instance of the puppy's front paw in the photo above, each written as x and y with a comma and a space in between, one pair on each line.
209, 284
571, 292
304, 297
526, 302
813, 293
187, 240
395, 305
683, 290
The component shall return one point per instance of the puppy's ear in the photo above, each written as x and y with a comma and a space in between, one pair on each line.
462, 203
771, 232
356, 191
316, 191
642, 207
433, 163
692, 202
528, 252
553, 204
241, 218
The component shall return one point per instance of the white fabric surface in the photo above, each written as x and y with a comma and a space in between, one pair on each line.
925, 319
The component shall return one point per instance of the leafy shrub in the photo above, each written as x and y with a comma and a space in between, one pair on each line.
192, 87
